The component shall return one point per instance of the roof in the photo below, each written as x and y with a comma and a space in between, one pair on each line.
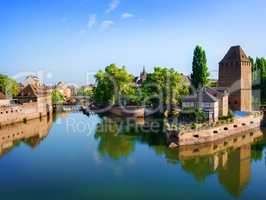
201, 96
218, 92
33, 77
34, 90
2, 95
235, 53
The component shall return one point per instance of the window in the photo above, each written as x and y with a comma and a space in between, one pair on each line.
235, 140
235, 126
196, 136
225, 128
251, 122
251, 134
243, 124
215, 132
236, 102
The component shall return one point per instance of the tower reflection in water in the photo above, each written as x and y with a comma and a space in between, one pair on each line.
230, 159
31, 133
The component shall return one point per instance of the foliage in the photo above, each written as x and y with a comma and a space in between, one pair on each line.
259, 77
212, 83
163, 86
86, 92
8, 86
227, 119
112, 85
111, 141
57, 97
200, 74
193, 115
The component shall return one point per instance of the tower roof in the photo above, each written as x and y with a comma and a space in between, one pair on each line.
235, 53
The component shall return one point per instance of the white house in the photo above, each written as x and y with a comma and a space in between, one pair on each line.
203, 101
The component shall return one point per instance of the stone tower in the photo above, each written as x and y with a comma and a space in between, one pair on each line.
235, 73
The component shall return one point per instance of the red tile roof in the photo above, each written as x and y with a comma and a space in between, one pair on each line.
34, 90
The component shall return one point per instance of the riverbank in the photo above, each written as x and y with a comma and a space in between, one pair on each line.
215, 133
15, 113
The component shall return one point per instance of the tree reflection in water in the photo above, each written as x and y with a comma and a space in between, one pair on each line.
117, 137
229, 159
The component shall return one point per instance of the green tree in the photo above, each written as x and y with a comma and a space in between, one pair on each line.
164, 86
8, 86
200, 74
57, 97
86, 92
112, 85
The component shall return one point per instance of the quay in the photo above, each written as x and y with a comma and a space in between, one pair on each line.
215, 132
34, 101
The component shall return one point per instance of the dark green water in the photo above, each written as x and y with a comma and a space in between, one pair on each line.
77, 157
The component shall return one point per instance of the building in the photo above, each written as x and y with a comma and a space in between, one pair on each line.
203, 101
4, 101
32, 80
33, 101
143, 76
41, 95
222, 94
235, 73
212, 101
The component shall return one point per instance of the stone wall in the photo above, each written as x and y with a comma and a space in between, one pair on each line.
129, 111
239, 125
20, 112
4, 102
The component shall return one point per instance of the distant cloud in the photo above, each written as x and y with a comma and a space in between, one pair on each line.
92, 21
107, 24
112, 6
127, 15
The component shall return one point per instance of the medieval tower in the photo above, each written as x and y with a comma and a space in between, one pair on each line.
235, 73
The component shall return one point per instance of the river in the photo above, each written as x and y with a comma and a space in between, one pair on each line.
73, 156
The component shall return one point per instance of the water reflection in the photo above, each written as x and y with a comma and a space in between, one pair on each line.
229, 159
134, 148
31, 133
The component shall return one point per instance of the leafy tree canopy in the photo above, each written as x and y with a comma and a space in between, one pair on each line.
8, 86
200, 74
164, 85
57, 97
112, 85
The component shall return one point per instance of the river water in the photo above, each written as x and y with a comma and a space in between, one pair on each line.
73, 156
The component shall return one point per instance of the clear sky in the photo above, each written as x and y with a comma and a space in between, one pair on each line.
68, 38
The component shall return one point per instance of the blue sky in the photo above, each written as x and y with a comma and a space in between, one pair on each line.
67, 39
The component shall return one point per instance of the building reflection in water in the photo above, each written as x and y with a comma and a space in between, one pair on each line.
230, 159
31, 133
